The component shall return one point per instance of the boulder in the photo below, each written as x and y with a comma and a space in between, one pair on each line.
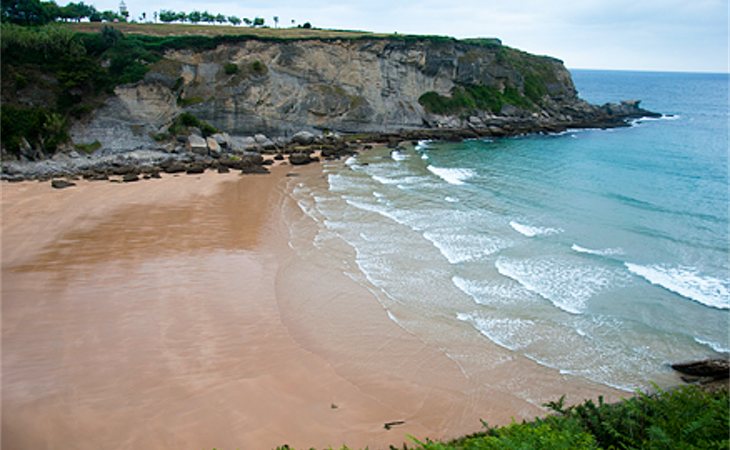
242, 143
222, 139
298, 159
195, 168
260, 138
716, 369
303, 138
197, 144
223, 169
279, 157
130, 177
173, 167
61, 184
213, 145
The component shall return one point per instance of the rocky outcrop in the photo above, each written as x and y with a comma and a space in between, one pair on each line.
353, 86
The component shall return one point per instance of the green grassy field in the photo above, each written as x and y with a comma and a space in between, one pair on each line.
177, 29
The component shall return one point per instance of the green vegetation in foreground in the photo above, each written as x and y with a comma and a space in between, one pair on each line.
685, 418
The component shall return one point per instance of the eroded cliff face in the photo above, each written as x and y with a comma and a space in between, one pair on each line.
377, 85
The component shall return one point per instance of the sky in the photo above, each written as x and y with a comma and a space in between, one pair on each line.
662, 35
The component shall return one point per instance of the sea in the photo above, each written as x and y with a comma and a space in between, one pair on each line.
599, 253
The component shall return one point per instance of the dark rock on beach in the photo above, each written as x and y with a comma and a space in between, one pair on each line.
299, 159
61, 184
714, 369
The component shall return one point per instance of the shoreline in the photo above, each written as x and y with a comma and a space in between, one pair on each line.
302, 148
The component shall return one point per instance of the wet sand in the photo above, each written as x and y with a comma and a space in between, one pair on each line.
174, 314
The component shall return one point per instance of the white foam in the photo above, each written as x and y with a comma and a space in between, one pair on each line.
487, 293
532, 231
686, 282
512, 334
458, 248
378, 194
398, 156
566, 284
599, 252
451, 199
424, 156
452, 176
422, 145
351, 161
713, 345
396, 181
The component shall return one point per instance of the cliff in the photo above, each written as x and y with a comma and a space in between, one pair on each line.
244, 85
351, 86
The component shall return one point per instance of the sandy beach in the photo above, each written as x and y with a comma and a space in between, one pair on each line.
175, 313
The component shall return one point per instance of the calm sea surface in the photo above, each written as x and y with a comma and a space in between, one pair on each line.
600, 253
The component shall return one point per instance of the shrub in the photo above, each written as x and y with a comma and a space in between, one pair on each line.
259, 68
469, 98
230, 68
186, 119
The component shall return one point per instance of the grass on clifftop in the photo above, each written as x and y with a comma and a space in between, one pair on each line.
685, 418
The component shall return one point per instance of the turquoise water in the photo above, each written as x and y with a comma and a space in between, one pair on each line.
600, 253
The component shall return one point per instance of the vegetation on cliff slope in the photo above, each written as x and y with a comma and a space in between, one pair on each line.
686, 418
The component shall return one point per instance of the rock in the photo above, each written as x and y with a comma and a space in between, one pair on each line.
268, 162
716, 369
242, 143
223, 169
130, 177
222, 139
173, 167
155, 174
298, 159
197, 144
279, 157
303, 138
195, 169
260, 138
213, 145
61, 184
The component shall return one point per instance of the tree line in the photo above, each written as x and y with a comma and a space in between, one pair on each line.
37, 12
197, 16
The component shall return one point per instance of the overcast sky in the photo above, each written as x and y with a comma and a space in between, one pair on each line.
673, 35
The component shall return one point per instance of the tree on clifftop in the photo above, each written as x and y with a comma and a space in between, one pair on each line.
26, 12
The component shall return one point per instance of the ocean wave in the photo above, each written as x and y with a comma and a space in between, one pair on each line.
531, 231
713, 345
566, 284
422, 145
451, 199
452, 176
512, 334
486, 293
396, 181
653, 119
686, 282
351, 161
458, 248
599, 252
398, 156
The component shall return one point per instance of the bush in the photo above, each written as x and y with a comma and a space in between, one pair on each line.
684, 418
259, 68
470, 98
39, 126
185, 120
230, 68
